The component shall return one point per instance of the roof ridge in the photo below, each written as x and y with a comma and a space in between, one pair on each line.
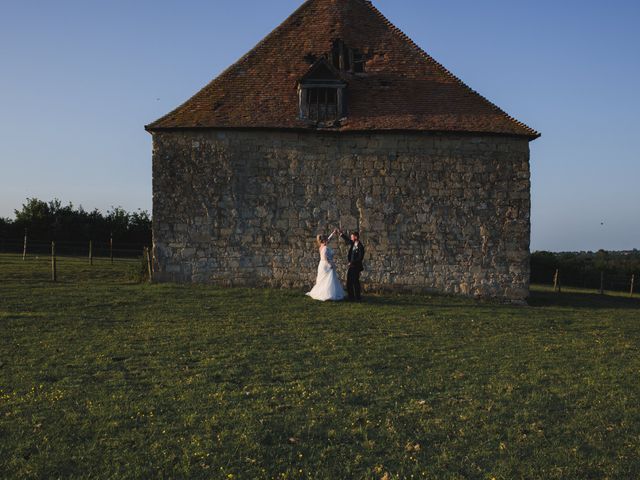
444, 70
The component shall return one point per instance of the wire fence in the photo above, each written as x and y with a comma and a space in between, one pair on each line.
105, 248
600, 281
70, 261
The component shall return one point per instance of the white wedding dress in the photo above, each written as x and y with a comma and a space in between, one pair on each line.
328, 286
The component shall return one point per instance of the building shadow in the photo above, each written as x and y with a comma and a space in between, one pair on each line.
537, 299
431, 300
582, 300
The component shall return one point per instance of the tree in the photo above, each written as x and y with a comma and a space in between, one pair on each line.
52, 220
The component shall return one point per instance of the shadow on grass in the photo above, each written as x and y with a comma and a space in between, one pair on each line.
582, 300
538, 299
430, 301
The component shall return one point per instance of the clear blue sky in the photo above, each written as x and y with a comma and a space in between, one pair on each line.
79, 80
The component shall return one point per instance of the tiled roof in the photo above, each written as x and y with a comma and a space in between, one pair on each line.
403, 88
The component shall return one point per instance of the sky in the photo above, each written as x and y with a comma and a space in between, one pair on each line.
79, 79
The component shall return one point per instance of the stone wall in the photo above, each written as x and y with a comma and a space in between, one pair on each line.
439, 212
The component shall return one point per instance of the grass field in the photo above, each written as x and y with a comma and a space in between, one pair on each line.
102, 377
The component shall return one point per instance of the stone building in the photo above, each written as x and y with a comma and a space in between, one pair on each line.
338, 118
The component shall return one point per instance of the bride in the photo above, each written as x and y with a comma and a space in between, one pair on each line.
328, 286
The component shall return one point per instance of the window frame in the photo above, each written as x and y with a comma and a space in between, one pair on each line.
306, 112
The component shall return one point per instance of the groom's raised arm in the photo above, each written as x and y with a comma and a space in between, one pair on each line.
346, 238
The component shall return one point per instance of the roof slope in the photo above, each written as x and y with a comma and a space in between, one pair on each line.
403, 87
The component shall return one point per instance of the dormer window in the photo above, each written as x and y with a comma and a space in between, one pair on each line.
322, 104
322, 95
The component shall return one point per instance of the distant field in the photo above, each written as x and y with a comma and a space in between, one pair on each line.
104, 377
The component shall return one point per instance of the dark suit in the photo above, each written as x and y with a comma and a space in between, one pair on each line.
356, 256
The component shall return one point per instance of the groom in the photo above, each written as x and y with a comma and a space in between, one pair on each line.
356, 255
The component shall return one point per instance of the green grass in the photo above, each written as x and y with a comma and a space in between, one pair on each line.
101, 377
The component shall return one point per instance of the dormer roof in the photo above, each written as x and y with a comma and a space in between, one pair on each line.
322, 71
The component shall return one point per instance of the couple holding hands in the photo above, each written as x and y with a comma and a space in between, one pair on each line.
328, 286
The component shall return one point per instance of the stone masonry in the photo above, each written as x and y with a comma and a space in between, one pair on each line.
440, 212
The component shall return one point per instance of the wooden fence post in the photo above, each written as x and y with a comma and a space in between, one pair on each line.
54, 273
24, 247
149, 264
601, 291
633, 281
148, 258
556, 281
90, 252
111, 248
